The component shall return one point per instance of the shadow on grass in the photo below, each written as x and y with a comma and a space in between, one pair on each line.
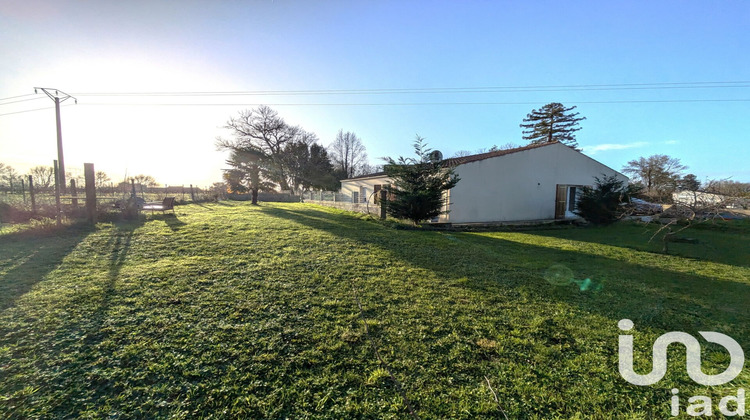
724, 243
652, 297
36, 254
93, 329
119, 248
171, 220
204, 206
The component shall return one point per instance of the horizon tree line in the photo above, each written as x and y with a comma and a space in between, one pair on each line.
265, 152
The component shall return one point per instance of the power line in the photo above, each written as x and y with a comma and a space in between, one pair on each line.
27, 110
486, 89
19, 96
22, 100
410, 103
437, 90
387, 104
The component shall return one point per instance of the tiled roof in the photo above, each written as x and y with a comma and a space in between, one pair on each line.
482, 156
453, 162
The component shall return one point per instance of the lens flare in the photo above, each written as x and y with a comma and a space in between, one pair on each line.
561, 275
558, 275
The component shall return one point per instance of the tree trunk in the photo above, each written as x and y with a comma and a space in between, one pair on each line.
551, 122
665, 241
254, 193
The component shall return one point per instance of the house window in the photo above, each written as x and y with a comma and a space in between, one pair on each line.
376, 191
355, 197
363, 194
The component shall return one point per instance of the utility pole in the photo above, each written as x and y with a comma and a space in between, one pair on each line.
58, 96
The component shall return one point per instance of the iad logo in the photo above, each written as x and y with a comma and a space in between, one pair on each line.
700, 405
693, 350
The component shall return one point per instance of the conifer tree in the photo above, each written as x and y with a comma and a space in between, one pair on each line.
552, 122
418, 184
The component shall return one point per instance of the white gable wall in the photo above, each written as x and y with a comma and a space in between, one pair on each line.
519, 186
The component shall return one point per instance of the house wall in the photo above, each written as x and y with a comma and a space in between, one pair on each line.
366, 185
519, 186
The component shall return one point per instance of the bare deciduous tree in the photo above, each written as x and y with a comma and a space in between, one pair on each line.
729, 188
144, 180
9, 175
462, 153
368, 169
101, 179
262, 129
658, 174
348, 154
506, 146
695, 208
42, 176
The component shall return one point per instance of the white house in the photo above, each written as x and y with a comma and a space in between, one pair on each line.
535, 182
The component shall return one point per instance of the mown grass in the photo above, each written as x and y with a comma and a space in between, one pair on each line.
235, 311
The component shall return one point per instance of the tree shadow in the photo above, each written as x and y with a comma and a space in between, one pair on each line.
171, 220
37, 254
93, 329
650, 296
204, 206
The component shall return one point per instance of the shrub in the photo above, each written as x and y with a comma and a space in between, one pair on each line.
606, 202
11, 214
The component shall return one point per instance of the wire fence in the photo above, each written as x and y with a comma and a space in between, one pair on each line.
331, 196
18, 203
342, 201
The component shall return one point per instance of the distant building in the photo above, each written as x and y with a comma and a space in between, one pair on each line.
697, 198
535, 182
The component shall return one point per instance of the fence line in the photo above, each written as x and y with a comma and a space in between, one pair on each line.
340, 201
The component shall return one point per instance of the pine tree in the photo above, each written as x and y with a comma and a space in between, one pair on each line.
552, 122
418, 184
247, 172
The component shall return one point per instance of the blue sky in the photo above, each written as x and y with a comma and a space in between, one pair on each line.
634, 48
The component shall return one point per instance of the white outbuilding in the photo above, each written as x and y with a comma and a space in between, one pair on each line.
535, 182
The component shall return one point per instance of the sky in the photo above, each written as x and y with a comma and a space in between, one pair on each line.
667, 77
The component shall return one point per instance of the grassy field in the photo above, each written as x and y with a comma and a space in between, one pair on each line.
299, 311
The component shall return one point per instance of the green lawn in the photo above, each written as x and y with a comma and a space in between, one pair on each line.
235, 311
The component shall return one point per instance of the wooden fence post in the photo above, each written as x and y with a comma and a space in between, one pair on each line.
23, 191
74, 193
31, 193
132, 188
192, 195
90, 182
